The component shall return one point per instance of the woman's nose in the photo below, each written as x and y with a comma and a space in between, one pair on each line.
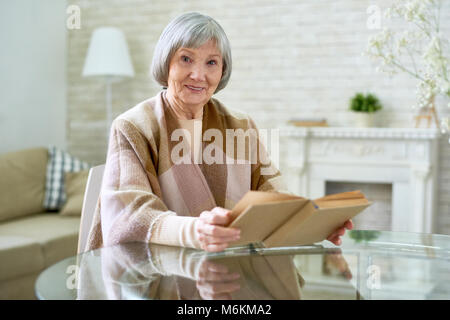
198, 73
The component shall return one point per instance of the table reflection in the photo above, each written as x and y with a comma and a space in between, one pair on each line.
148, 271
368, 265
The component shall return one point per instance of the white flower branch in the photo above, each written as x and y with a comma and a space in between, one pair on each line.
425, 48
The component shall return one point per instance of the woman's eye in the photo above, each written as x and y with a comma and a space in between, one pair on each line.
186, 59
212, 62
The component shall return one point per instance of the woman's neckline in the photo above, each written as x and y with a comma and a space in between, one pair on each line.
167, 103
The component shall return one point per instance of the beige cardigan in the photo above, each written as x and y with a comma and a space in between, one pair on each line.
149, 195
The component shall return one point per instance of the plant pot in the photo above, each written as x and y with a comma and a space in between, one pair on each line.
365, 119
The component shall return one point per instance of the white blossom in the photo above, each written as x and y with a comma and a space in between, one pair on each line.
424, 46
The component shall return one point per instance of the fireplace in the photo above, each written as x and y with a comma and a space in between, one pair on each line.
403, 158
379, 215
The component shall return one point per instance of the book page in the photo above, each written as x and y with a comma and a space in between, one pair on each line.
344, 199
260, 220
318, 225
259, 197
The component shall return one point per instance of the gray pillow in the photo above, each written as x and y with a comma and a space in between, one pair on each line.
59, 162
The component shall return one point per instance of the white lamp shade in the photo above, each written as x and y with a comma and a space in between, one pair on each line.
108, 54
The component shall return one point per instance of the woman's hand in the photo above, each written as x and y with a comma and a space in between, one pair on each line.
211, 230
335, 237
215, 282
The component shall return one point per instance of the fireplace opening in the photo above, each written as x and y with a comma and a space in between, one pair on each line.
376, 217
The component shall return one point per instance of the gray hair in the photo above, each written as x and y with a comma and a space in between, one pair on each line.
190, 30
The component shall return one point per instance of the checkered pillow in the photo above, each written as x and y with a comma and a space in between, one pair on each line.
59, 162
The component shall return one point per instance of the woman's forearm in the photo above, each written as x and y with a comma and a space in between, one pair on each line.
175, 231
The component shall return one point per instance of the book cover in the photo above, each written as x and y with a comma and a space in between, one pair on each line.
277, 219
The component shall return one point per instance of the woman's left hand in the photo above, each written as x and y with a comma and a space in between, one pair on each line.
335, 237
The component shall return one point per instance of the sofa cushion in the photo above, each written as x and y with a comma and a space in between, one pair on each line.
57, 235
22, 182
75, 184
19, 256
21, 288
59, 162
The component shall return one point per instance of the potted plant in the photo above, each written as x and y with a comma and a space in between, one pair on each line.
365, 107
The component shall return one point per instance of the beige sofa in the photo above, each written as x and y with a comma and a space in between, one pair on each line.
30, 238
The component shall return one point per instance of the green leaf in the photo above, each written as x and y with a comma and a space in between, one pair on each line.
361, 103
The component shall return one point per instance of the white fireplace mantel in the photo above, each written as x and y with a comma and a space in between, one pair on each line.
407, 158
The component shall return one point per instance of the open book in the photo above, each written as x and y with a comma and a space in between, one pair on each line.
279, 219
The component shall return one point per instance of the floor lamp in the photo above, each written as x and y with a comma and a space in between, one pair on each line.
108, 58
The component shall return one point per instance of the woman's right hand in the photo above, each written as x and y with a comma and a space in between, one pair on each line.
211, 231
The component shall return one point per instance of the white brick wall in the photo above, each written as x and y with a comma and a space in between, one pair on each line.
290, 58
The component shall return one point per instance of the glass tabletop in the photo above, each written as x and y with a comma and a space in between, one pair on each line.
368, 265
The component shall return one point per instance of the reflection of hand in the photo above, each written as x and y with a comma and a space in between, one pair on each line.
211, 231
335, 237
214, 282
338, 262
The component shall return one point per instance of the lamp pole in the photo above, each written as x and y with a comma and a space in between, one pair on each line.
108, 107
108, 57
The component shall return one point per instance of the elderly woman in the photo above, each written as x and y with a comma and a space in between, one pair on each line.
152, 193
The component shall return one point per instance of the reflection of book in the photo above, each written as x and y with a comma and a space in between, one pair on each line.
278, 219
264, 277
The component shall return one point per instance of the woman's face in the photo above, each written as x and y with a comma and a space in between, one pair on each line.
194, 74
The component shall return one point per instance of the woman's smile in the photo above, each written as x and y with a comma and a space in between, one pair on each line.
195, 89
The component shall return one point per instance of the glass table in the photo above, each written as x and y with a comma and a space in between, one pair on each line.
368, 265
